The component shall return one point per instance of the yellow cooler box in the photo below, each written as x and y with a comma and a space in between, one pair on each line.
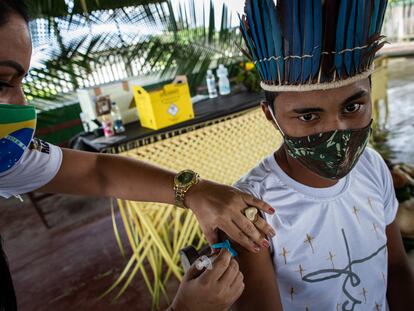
165, 107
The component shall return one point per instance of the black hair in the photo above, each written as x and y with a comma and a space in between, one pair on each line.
270, 98
8, 7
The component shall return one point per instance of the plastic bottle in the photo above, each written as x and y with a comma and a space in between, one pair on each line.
107, 125
117, 119
211, 84
224, 83
85, 122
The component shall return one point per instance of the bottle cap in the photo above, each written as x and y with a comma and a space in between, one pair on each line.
226, 244
204, 262
222, 71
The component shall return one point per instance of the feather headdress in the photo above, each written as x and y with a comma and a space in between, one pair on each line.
300, 45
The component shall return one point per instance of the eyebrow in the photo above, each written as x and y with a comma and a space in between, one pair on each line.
12, 64
307, 110
356, 96
318, 109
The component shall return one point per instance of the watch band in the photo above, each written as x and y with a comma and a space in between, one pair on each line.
181, 190
179, 197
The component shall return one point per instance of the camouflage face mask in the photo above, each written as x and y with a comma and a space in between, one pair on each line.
331, 155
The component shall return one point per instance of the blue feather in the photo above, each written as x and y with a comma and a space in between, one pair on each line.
261, 34
297, 28
277, 38
350, 40
340, 35
249, 14
382, 10
287, 24
247, 39
359, 32
317, 36
296, 64
251, 46
307, 34
367, 20
374, 18
269, 40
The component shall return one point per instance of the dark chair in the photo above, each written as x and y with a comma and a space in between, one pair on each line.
35, 199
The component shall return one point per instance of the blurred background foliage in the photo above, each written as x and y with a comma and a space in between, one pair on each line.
81, 44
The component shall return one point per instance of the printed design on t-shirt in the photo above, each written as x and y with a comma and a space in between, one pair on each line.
284, 254
39, 145
364, 294
383, 278
355, 211
300, 271
378, 306
292, 293
330, 258
309, 240
370, 204
350, 276
375, 229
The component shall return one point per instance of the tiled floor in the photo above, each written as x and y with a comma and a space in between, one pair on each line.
69, 266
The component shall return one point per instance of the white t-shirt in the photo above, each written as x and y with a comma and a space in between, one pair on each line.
330, 251
37, 167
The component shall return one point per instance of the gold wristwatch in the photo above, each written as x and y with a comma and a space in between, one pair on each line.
183, 181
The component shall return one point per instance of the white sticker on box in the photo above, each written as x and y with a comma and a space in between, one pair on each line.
173, 110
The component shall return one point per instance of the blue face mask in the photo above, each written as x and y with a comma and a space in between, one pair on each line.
17, 127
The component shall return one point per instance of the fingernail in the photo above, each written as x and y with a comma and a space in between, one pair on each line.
272, 210
256, 249
265, 244
272, 232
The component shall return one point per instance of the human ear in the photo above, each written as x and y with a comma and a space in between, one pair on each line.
266, 110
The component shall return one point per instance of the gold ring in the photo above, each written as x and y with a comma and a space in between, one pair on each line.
252, 214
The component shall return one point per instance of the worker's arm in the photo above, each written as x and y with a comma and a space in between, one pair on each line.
400, 292
215, 206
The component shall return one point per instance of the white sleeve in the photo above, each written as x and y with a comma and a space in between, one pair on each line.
386, 184
390, 200
247, 187
37, 167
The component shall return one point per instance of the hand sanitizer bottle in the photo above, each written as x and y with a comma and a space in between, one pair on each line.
117, 119
211, 84
224, 83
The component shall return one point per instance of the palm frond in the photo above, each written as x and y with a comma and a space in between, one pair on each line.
184, 43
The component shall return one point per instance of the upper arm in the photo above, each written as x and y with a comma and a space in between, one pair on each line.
77, 175
261, 290
400, 290
397, 258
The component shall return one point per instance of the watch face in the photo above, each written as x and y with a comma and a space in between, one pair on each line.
185, 178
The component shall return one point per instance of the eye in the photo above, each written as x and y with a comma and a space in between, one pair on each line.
353, 107
308, 117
